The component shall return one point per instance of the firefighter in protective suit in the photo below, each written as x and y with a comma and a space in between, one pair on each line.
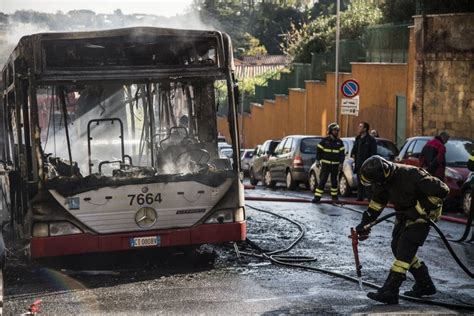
416, 196
329, 156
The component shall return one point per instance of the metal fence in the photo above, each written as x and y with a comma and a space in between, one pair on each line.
381, 43
387, 43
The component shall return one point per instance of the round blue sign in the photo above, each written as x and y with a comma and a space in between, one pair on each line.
350, 88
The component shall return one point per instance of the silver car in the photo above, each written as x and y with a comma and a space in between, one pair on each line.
246, 157
347, 178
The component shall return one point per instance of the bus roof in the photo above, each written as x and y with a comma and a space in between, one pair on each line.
149, 52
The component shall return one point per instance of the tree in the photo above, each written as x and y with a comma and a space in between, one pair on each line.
398, 10
253, 47
319, 35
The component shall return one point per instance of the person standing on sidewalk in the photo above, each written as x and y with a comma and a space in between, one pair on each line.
365, 146
433, 155
329, 157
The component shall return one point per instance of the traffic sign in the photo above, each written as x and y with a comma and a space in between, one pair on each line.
350, 88
350, 106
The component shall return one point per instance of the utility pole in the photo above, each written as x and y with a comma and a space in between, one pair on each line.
336, 79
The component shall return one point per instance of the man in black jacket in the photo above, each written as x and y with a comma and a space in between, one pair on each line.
416, 196
365, 146
329, 156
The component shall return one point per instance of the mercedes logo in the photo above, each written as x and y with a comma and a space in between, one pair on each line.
146, 217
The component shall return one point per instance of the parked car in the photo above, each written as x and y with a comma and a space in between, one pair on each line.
467, 193
221, 139
458, 151
246, 157
227, 152
347, 178
291, 161
260, 159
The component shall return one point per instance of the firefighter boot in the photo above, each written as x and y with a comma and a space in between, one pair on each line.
423, 283
388, 293
316, 199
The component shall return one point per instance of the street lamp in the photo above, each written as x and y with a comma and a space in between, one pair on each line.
336, 80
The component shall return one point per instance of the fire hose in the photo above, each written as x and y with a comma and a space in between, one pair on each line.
276, 257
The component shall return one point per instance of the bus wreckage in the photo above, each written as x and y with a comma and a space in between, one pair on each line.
109, 141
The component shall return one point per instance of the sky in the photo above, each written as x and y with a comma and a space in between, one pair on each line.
156, 7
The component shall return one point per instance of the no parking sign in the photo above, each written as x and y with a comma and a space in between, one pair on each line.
350, 88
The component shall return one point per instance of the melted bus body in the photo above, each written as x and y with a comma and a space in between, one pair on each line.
110, 141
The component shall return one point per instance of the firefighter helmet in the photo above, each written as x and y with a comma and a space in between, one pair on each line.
376, 170
333, 126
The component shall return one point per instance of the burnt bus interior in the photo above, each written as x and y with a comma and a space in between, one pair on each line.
88, 110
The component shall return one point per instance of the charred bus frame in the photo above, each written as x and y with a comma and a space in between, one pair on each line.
54, 205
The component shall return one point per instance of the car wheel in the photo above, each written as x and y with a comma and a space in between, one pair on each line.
268, 179
290, 184
313, 181
344, 188
253, 181
466, 201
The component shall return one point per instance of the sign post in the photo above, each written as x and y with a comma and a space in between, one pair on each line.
350, 104
350, 88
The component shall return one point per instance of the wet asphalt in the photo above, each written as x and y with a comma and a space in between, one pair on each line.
215, 281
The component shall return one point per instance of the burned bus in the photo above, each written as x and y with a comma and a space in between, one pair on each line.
109, 141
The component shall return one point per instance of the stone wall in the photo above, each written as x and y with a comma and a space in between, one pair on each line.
444, 75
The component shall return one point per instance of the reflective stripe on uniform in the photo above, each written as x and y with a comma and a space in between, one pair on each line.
435, 200
415, 263
420, 209
334, 191
330, 150
471, 158
400, 266
417, 221
376, 206
329, 162
318, 192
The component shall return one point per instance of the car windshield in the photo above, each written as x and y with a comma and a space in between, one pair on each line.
386, 149
248, 154
308, 145
226, 152
273, 146
458, 152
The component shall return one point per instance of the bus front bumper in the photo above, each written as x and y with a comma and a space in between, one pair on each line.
41, 247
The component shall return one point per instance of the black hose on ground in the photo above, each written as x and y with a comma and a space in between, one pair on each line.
467, 230
277, 260
450, 249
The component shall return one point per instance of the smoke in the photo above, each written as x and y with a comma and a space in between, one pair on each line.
22, 23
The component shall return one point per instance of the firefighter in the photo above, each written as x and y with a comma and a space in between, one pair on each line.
416, 196
329, 156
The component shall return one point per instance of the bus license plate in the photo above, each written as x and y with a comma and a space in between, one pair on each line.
145, 241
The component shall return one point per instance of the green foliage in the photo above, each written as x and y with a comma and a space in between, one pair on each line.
247, 86
398, 10
319, 35
265, 20
253, 47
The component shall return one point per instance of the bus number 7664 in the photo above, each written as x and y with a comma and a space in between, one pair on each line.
148, 198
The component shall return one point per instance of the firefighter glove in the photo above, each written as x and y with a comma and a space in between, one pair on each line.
363, 234
367, 218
